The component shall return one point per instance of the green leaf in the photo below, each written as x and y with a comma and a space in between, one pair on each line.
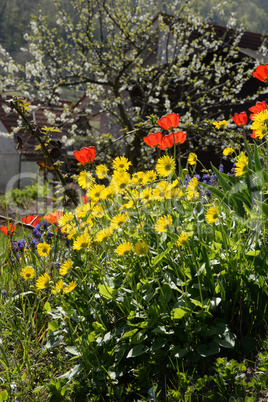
136, 351
253, 253
220, 177
3, 396
208, 350
264, 207
129, 334
256, 158
47, 307
159, 257
227, 340
53, 325
73, 350
179, 312
106, 291
179, 352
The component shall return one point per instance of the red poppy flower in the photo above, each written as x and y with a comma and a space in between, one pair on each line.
240, 119
253, 135
168, 140
31, 219
10, 230
261, 73
170, 121
84, 199
85, 155
259, 107
153, 139
53, 217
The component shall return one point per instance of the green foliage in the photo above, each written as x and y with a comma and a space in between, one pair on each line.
29, 193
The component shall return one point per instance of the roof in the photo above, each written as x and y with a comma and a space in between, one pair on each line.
40, 118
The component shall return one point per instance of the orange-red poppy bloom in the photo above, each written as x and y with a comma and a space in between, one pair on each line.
10, 230
259, 107
170, 121
53, 217
85, 155
168, 140
31, 219
261, 73
84, 199
153, 139
240, 119
253, 135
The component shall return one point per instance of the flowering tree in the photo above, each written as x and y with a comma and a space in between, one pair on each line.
133, 62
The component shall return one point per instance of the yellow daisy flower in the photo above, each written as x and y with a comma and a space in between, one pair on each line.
101, 171
85, 179
27, 272
138, 178
119, 220
212, 215
43, 281
121, 163
164, 224
70, 287
66, 267
241, 166
220, 124
43, 249
95, 191
228, 151
192, 158
121, 180
124, 248
192, 188
165, 166
146, 195
97, 212
183, 238
66, 218
149, 177
260, 124
58, 287
141, 248
104, 234
108, 193
82, 241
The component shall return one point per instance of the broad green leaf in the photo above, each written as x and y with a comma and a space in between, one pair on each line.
53, 325
179, 352
227, 340
106, 291
208, 350
159, 257
47, 307
253, 253
136, 351
3, 396
264, 207
73, 350
179, 312
197, 303
220, 177
129, 334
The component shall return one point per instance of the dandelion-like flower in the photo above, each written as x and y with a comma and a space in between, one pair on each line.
124, 249
85, 180
141, 248
43, 281
119, 220
104, 234
165, 166
121, 163
260, 124
102, 171
58, 287
183, 239
228, 151
27, 272
82, 242
192, 188
95, 191
66, 267
220, 124
241, 166
43, 249
121, 180
164, 224
212, 215
70, 287
192, 158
